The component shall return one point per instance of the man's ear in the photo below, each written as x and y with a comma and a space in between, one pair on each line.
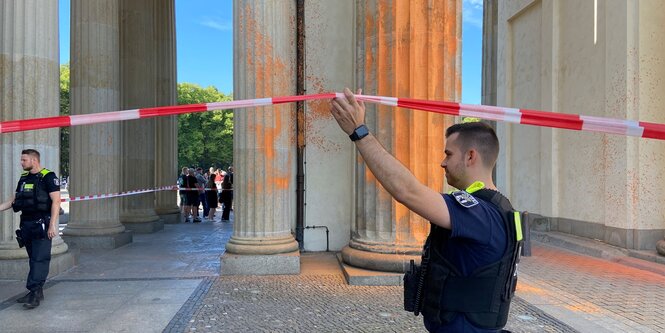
471, 157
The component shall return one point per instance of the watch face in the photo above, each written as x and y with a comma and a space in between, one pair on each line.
362, 131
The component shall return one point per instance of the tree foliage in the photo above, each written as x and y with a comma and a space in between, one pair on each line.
64, 111
205, 139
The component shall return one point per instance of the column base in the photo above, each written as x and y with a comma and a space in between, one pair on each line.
660, 247
144, 227
17, 269
171, 218
260, 264
386, 262
101, 241
364, 277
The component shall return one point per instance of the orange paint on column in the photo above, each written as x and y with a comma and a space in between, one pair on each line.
411, 51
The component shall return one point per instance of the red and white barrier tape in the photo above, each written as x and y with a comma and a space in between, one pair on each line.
518, 116
128, 193
115, 195
528, 117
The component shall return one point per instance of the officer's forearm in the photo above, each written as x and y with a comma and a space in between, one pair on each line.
6, 205
55, 213
55, 209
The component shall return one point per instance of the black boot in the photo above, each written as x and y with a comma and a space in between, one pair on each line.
24, 299
40, 293
33, 301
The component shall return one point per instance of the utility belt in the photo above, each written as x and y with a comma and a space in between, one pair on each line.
32, 230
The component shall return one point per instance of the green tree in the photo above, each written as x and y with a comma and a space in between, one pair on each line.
64, 111
206, 138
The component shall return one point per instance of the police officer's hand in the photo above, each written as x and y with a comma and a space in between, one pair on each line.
52, 231
348, 112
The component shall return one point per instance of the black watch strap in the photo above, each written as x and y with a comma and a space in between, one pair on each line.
359, 133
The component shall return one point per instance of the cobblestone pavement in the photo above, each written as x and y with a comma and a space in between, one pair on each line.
316, 303
612, 296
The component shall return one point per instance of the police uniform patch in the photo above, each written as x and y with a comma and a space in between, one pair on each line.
465, 199
56, 181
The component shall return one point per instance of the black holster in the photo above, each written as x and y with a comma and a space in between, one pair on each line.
19, 238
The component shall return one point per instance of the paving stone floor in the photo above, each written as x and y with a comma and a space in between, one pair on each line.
169, 281
316, 303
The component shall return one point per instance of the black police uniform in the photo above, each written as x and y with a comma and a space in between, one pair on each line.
471, 277
32, 199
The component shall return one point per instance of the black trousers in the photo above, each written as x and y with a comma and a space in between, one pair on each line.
38, 246
226, 198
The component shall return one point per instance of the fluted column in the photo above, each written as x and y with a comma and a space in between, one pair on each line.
166, 152
137, 73
405, 48
264, 143
490, 30
28, 89
95, 149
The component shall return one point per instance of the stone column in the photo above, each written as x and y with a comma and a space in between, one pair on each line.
405, 48
137, 72
28, 89
95, 149
166, 152
264, 143
490, 30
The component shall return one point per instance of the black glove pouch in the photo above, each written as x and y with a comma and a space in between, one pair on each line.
412, 296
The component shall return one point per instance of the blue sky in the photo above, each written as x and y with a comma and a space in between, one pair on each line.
204, 37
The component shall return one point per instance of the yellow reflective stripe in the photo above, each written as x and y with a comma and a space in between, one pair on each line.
28, 186
476, 186
518, 225
24, 173
44, 171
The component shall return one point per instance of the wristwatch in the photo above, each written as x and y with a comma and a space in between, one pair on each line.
359, 133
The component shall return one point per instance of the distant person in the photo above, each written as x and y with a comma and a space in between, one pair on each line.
192, 197
211, 198
226, 198
200, 184
182, 179
38, 199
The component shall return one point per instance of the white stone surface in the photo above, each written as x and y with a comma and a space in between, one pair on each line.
264, 138
330, 155
95, 149
28, 89
138, 71
166, 153
548, 59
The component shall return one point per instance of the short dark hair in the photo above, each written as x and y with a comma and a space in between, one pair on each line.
31, 152
478, 135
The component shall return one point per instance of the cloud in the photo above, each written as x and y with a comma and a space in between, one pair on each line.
217, 24
472, 12
477, 4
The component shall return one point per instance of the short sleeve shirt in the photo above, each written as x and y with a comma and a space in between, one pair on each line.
478, 235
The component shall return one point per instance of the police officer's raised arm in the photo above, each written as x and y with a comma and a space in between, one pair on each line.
8, 204
394, 176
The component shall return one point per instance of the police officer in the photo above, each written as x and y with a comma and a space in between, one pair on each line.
37, 197
472, 243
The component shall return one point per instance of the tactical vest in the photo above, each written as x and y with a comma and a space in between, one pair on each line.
484, 297
32, 195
